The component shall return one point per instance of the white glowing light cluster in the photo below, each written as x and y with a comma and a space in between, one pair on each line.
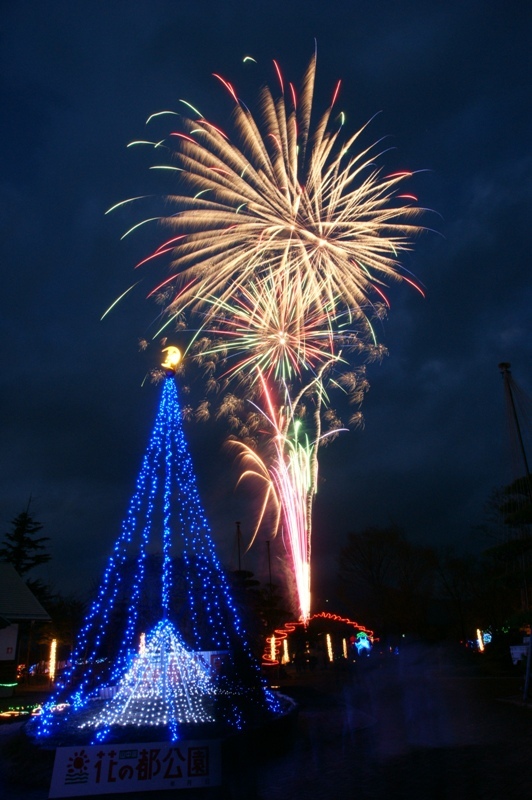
165, 685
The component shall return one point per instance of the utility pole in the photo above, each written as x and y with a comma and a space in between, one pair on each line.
238, 537
269, 569
504, 368
507, 378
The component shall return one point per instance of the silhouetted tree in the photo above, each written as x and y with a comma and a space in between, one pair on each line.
245, 590
273, 608
516, 503
509, 557
67, 615
22, 547
386, 580
460, 589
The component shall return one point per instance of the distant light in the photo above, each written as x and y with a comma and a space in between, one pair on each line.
53, 659
362, 642
329, 647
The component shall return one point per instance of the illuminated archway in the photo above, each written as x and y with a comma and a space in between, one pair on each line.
274, 646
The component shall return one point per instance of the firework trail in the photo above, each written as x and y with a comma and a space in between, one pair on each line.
287, 479
288, 475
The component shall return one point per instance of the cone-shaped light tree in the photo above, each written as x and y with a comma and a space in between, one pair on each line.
162, 638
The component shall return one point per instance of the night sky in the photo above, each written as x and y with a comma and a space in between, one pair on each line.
450, 85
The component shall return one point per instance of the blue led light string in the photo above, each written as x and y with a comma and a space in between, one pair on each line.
147, 482
167, 534
104, 602
182, 504
192, 525
198, 541
152, 465
131, 633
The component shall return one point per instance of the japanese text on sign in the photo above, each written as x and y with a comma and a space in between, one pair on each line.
106, 769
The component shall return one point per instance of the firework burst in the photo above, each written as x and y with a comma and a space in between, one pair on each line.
282, 243
260, 330
285, 203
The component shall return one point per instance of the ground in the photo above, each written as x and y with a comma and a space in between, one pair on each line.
425, 724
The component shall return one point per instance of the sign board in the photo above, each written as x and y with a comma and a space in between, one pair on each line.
114, 768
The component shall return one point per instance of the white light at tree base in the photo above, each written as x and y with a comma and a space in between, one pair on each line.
165, 685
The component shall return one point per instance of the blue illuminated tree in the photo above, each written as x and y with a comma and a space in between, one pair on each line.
163, 614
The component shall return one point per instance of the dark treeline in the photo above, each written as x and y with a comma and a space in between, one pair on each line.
400, 587
385, 580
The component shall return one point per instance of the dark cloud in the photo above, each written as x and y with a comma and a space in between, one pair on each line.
450, 87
